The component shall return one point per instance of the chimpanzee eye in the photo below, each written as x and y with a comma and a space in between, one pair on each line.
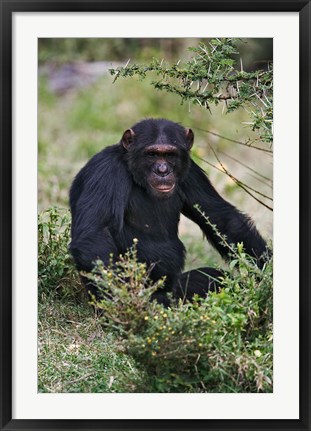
170, 156
152, 153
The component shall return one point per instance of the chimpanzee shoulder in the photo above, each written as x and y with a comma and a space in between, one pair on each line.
103, 186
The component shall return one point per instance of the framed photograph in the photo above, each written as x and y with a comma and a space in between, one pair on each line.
192, 85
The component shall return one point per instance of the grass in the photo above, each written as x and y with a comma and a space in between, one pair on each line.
76, 355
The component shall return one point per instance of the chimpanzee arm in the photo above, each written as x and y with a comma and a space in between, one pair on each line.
230, 222
98, 198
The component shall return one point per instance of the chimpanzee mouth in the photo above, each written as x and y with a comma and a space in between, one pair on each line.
162, 188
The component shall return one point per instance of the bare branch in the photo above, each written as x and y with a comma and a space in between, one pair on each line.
234, 141
243, 186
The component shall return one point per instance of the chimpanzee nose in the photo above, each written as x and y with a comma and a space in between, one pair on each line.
162, 169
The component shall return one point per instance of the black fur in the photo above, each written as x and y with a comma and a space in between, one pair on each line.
112, 202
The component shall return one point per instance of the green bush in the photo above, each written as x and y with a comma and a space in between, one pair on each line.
219, 344
56, 271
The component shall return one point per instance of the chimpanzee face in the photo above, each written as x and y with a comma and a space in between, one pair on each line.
162, 166
158, 160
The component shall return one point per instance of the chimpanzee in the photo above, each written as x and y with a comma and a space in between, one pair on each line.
137, 189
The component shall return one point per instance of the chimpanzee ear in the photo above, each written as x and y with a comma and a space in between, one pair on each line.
127, 138
189, 138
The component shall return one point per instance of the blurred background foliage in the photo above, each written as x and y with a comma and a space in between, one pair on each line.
61, 51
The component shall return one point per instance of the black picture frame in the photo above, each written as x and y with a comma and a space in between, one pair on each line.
7, 8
